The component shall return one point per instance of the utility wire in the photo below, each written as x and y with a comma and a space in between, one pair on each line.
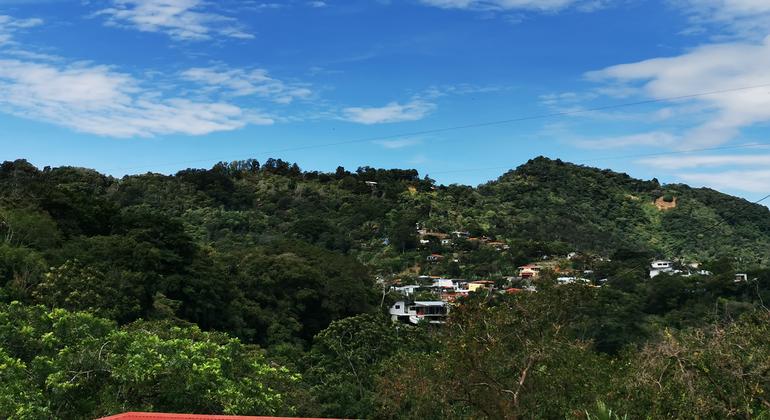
472, 125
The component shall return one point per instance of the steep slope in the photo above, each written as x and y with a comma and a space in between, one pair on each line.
604, 210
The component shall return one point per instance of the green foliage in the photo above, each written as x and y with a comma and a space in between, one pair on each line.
74, 365
346, 357
501, 361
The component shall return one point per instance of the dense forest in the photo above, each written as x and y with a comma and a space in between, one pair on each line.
262, 289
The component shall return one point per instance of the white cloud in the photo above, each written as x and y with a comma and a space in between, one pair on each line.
688, 162
655, 138
709, 68
180, 19
748, 180
742, 18
415, 110
97, 100
398, 143
533, 5
10, 25
243, 82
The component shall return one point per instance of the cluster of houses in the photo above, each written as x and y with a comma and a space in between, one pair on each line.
659, 267
444, 293
427, 236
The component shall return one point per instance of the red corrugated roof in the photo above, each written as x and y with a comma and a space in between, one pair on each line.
169, 416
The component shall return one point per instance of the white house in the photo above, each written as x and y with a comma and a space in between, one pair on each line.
434, 312
662, 266
407, 291
571, 280
444, 284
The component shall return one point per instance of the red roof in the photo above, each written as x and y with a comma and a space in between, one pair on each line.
168, 416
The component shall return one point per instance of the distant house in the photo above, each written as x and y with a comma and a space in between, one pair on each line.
572, 280
662, 266
408, 290
741, 277
434, 312
446, 242
444, 284
480, 285
530, 271
500, 246
434, 258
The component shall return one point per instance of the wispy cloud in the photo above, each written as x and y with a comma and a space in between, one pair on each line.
705, 69
738, 18
247, 82
398, 143
98, 100
534, 5
701, 161
655, 138
414, 110
179, 19
10, 25
743, 180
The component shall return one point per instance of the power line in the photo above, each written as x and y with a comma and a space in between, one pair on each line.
472, 125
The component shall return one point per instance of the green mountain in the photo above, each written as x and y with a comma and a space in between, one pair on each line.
254, 287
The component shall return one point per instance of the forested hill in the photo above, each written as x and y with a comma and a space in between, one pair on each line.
261, 289
544, 206
593, 209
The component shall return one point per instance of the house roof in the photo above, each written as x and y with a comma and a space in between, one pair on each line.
170, 416
429, 303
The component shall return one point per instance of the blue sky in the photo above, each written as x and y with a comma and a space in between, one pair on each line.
130, 86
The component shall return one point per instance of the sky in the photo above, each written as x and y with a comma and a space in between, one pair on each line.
461, 90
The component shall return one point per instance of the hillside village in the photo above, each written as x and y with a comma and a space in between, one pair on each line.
430, 298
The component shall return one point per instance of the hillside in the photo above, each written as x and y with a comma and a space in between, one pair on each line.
263, 289
542, 207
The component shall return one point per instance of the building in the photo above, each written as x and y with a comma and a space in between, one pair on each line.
434, 258
481, 285
572, 280
530, 271
498, 245
414, 312
408, 290
444, 284
661, 266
